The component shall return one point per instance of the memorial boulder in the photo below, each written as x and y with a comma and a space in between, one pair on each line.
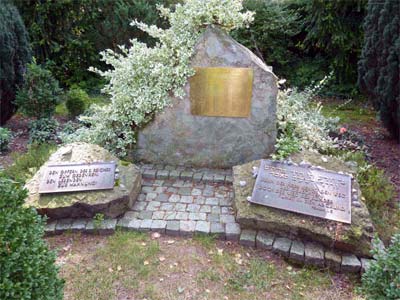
228, 115
81, 180
311, 199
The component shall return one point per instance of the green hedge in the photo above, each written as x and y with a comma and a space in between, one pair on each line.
27, 266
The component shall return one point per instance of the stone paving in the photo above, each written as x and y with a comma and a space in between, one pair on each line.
162, 172
178, 206
182, 205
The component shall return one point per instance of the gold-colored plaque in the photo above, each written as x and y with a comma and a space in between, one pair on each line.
221, 92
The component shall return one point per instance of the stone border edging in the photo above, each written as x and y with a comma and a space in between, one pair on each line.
162, 172
296, 252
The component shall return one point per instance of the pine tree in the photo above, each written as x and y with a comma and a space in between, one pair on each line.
14, 54
378, 67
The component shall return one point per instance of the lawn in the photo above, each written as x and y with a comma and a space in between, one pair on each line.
131, 265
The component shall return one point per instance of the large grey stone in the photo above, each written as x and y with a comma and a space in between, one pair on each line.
203, 227
351, 238
79, 225
217, 229
110, 203
179, 138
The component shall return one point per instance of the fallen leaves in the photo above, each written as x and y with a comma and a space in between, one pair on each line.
155, 235
238, 259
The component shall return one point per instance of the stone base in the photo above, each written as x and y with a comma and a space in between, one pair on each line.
110, 203
355, 238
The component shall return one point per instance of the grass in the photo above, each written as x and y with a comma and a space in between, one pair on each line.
124, 261
131, 265
348, 112
25, 165
207, 241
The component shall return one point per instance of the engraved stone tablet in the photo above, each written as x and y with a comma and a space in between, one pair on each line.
77, 177
221, 92
309, 191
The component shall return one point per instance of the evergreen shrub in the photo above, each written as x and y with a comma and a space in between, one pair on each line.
43, 130
77, 101
27, 265
379, 65
14, 54
39, 94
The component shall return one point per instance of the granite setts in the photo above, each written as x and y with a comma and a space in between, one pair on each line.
195, 207
295, 251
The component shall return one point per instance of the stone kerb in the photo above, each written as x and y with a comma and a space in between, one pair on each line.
179, 207
176, 137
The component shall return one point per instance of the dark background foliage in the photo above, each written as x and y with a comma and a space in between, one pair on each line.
14, 54
379, 65
303, 40
306, 40
68, 35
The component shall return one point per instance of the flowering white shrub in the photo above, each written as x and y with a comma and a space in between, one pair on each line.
143, 78
301, 125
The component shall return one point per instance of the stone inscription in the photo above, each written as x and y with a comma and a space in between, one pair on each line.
77, 177
304, 190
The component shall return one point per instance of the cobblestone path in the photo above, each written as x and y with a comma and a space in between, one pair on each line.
183, 207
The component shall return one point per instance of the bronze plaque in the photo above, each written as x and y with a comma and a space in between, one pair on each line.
78, 177
221, 92
309, 191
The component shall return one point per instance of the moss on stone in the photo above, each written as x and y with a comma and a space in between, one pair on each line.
355, 238
85, 203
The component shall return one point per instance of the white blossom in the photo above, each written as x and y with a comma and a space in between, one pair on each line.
142, 78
